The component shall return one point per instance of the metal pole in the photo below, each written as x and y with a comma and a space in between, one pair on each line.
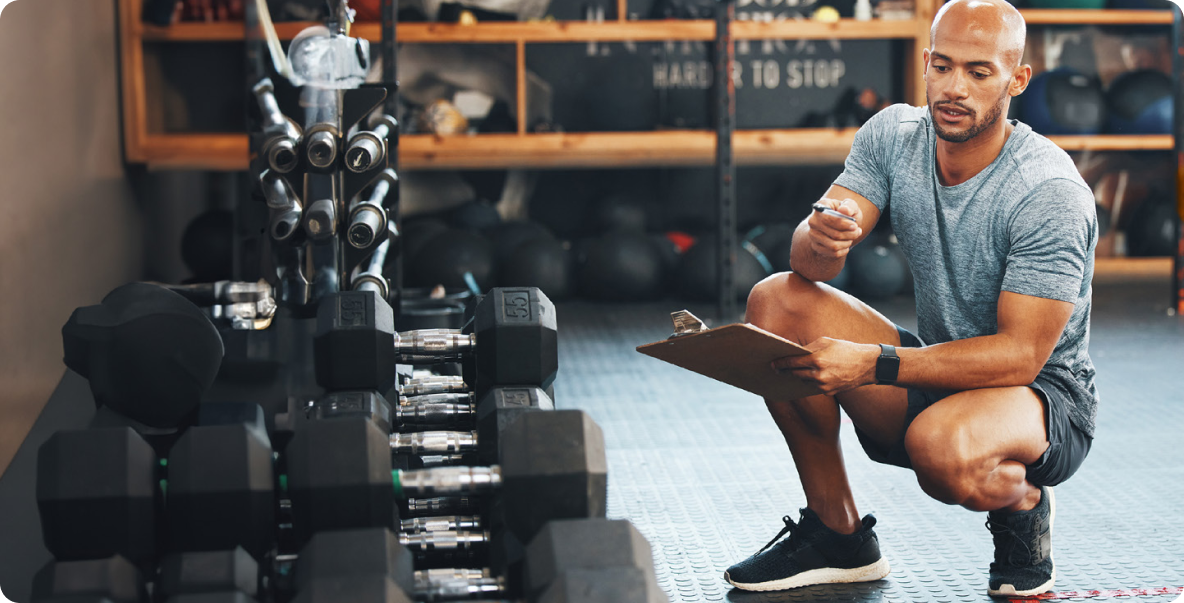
1178, 112
725, 123
390, 77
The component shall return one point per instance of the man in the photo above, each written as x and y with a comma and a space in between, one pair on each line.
994, 403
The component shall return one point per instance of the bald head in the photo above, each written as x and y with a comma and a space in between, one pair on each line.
995, 20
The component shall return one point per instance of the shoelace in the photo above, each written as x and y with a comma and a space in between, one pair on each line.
790, 526
998, 529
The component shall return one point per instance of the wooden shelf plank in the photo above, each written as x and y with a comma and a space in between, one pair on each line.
222, 152
1113, 142
586, 150
620, 149
557, 31
1052, 16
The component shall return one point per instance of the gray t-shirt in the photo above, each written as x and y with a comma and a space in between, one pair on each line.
1024, 224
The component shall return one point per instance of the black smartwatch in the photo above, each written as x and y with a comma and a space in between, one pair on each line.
887, 365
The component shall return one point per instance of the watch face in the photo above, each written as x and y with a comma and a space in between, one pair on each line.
887, 366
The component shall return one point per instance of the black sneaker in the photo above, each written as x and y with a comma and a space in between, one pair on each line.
813, 554
1023, 564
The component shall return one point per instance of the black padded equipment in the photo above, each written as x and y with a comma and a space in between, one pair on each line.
1063, 101
478, 215
207, 246
620, 266
878, 268
769, 237
149, 353
1140, 102
618, 212
416, 233
507, 236
1151, 231
541, 263
449, 256
419, 310
697, 272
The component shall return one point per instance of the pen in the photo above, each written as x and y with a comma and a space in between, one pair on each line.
830, 212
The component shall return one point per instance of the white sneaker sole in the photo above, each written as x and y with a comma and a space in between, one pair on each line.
1007, 590
828, 575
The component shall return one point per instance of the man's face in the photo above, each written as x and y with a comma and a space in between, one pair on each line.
967, 79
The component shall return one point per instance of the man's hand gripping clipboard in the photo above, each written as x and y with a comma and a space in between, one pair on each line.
736, 354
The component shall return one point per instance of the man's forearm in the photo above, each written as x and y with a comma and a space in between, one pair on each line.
989, 361
808, 263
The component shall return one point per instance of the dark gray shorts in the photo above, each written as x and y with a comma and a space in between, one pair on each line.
1068, 445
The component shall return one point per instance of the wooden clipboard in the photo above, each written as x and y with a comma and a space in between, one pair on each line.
736, 354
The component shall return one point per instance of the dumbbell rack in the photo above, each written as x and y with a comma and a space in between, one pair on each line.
320, 186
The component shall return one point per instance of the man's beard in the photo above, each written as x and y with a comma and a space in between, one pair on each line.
992, 116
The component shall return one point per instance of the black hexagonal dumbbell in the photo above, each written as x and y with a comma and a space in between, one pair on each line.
552, 465
220, 489
512, 340
375, 555
486, 421
208, 573
98, 494
353, 565
591, 560
113, 579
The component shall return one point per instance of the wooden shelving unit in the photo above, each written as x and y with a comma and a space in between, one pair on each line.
567, 150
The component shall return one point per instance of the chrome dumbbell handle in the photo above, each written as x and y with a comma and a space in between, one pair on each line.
435, 343
282, 203
367, 217
444, 523
434, 442
452, 584
445, 505
447, 480
431, 413
436, 384
283, 135
367, 148
439, 542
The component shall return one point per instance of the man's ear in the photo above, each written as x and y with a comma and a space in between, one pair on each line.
1019, 80
925, 56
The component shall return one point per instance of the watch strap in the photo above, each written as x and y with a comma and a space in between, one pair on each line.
887, 365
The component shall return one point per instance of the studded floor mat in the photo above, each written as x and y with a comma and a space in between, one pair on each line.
702, 471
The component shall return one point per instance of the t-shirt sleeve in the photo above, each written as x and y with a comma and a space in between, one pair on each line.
867, 168
1052, 236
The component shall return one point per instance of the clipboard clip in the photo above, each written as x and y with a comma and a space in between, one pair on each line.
686, 323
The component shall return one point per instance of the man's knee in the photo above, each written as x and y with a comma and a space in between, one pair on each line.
779, 296
942, 458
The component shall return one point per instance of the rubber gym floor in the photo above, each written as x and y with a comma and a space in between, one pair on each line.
703, 473
700, 469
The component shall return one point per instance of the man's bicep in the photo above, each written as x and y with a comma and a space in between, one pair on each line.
870, 213
1036, 323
